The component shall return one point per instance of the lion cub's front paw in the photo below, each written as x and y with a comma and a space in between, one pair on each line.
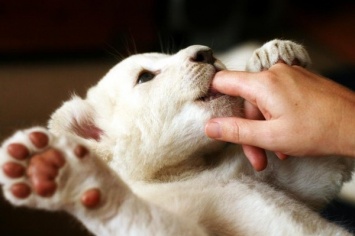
278, 51
40, 170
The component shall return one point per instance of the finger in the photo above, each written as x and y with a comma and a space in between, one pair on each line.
281, 155
252, 112
243, 131
237, 83
256, 157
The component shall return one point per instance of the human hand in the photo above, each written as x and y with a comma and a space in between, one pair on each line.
305, 114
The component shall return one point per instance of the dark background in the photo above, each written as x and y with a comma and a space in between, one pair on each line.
49, 49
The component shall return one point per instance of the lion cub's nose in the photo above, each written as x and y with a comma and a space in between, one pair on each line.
203, 56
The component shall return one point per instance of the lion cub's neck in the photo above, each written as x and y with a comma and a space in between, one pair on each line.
195, 164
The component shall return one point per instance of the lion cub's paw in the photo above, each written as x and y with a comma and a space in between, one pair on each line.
43, 171
278, 51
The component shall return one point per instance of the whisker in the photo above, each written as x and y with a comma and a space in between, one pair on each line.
114, 52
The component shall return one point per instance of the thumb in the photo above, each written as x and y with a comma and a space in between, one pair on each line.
241, 131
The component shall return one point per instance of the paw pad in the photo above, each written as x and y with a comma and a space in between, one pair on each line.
20, 190
13, 170
38, 169
39, 139
18, 151
91, 198
81, 151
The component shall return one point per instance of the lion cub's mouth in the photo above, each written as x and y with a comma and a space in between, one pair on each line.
210, 95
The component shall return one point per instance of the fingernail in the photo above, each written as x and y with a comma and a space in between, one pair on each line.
213, 130
281, 156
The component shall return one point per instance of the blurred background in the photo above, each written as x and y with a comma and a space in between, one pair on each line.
51, 49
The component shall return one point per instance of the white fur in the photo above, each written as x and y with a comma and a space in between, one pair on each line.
348, 191
163, 175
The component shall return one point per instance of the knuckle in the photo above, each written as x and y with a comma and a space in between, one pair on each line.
234, 132
270, 77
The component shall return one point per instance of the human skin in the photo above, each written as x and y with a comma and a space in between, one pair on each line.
288, 110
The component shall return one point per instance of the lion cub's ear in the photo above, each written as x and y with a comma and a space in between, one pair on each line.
76, 117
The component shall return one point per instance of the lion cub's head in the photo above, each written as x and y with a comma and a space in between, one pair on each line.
146, 117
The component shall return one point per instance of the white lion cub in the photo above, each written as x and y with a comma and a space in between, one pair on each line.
132, 158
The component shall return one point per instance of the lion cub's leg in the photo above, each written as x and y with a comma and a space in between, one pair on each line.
40, 170
275, 51
43, 171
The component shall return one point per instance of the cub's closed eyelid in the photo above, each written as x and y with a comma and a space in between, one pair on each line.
146, 76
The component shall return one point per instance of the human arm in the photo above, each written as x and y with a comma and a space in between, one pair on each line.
305, 114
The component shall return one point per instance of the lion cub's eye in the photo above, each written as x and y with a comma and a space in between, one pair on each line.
145, 76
